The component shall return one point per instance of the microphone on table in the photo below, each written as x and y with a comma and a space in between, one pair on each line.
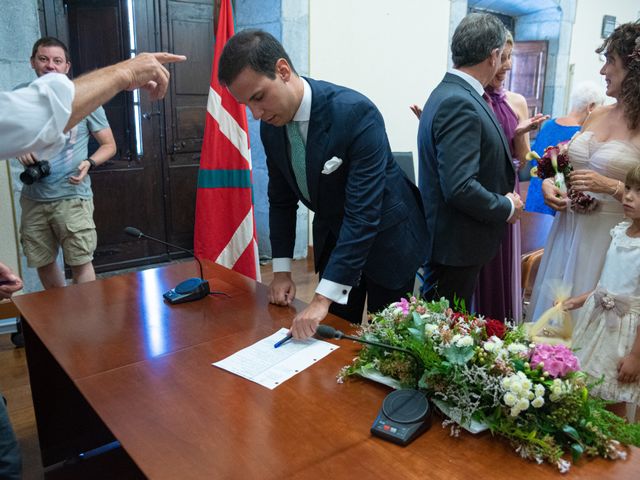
187, 291
405, 413
327, 331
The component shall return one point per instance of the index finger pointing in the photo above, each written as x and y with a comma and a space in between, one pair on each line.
166, 57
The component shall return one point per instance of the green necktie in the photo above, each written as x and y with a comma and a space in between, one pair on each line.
298, 158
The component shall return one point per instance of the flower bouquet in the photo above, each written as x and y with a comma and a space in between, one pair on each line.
555, 164
484, 372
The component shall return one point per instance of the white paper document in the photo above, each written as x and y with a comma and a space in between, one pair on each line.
268, 366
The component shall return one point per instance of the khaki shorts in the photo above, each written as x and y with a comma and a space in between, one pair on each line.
46, 226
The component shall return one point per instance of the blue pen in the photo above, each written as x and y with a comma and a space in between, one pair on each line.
283, 341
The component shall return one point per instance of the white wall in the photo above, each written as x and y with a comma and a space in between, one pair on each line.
586, 35
395, 53
19, 28
8, 246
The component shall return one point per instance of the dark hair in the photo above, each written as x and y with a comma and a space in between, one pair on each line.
252, 48
633, 177
475, 38
49, 42
625, 42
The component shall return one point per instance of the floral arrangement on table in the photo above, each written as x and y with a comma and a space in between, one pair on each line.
555, 164
482, 372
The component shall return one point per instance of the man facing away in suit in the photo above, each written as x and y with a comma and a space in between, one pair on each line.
326, 146
466, 174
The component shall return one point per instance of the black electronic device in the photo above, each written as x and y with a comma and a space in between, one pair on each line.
34, 172
188, 291
405, 413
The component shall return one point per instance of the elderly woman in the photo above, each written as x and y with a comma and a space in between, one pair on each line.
607, 147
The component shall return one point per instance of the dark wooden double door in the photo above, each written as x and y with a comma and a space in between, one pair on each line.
151, 182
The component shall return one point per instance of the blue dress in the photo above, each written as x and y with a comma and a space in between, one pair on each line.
550, 134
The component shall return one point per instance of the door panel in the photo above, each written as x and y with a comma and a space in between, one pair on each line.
188, 30
154, 191
127, 189
529, 62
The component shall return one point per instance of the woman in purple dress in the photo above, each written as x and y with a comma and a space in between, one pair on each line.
499, 291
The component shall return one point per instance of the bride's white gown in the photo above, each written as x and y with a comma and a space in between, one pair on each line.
577, 243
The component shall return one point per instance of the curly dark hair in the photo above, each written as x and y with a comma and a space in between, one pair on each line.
625, 42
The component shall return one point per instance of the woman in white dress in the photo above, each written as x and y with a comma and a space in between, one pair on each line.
606, 148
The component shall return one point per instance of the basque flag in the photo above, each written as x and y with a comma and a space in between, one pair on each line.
225, 230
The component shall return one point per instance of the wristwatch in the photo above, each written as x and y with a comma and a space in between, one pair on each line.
92, 163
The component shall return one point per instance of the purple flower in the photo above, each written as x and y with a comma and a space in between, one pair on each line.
558, 360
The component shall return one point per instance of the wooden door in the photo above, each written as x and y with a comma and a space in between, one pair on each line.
529, 63
128, 188
187, 28
151, 182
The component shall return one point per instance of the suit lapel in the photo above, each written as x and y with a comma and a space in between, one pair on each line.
483, 103
317, 137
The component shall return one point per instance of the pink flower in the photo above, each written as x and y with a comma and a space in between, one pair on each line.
403, 305
558, 360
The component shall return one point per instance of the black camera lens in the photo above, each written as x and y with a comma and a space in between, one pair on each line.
35, 172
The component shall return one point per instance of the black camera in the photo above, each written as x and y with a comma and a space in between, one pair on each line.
35, 172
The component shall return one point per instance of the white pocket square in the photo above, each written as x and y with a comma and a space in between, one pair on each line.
332, 165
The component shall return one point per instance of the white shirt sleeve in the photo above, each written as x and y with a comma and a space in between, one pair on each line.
32, 119
334, 291
513, 209
281, 265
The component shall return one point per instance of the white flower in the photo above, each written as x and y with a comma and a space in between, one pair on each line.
517, 348
506, 383
522, 404
539, 390
510, 399
514, 412
465, 341
537, 402
516, 386
526, 384
430, 329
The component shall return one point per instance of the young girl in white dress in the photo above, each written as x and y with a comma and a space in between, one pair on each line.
606, 334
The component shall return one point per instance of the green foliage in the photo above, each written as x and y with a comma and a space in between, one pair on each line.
472, 373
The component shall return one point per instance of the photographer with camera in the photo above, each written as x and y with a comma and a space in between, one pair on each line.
56, 200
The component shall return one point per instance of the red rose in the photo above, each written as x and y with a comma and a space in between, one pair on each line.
495, 327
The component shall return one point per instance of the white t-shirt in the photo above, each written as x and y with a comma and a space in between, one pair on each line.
32, 119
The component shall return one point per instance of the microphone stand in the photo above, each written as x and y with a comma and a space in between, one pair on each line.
405, 413
187, 291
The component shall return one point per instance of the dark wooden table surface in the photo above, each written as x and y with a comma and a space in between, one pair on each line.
109, 359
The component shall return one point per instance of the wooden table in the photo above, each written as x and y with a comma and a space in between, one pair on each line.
110, 359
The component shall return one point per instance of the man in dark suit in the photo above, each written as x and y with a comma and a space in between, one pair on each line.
327, 147
466, 174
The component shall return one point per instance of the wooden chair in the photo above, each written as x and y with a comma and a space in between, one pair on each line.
530, 265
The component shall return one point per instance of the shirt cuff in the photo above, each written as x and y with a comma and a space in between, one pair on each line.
334, 291
281, 265
513, 209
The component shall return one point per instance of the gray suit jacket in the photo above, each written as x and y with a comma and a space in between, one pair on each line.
465, 171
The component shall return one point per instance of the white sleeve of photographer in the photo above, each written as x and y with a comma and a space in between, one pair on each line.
32, 119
